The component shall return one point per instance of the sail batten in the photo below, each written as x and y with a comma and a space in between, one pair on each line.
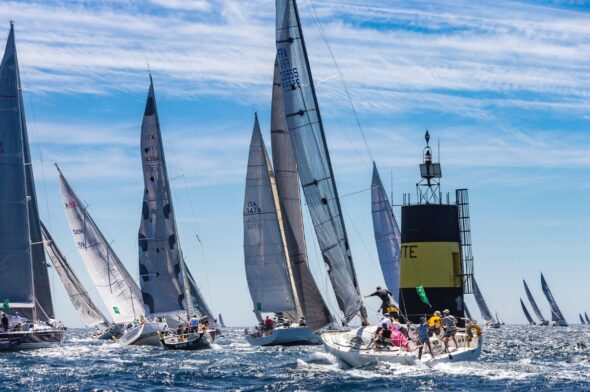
86, 308
287, 180
387, 235
533, 303
271, 288
556, 314
312, 157
117, 289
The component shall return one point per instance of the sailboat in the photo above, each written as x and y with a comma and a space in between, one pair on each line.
556, 315
499, 320
24, 289
84, 305
168, 289
483, 307
526, 313
542, 320
387, 235
582, 319
587, 318
115, 286
270, 271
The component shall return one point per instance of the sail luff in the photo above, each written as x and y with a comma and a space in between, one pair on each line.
117, 289
581, 319
481, 303
526, 313
264, 248
313, 159
86, 308
311, 301
556, 314
387, 235
533, 302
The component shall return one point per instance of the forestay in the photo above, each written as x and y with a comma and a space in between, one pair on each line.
533, 302
312, 304
556, 314
313, 161
116, 287
264, 248
481, 303
82, 302
526, 313
23, 270
387, 235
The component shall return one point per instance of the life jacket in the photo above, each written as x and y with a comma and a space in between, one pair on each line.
435, 321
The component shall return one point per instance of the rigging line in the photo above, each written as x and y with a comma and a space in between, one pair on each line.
325, 38
371, 256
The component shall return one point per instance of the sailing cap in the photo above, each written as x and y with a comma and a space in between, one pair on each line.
422, 319
446, 311
384, 325
437, 313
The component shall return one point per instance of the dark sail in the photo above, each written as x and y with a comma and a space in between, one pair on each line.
556, 314
526, 313
481, 303
312, 304
533, 303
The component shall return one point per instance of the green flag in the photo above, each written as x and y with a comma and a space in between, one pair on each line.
116, 309
422, 294
259, 306
5, 304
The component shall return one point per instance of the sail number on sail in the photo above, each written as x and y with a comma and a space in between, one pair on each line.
289, 75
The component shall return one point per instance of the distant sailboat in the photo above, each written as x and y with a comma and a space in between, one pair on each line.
24, 281
483, 307
542, 320
221, 323
582, 319
586, 317
556, 315
387, 235
86, 308
526, 313
168, 289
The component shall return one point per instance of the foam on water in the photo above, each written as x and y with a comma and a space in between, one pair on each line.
514, 358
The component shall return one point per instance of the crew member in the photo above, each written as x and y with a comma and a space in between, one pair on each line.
450, 327
435, 323
423, 338
386, 298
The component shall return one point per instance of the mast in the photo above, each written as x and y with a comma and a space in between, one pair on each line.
313, 159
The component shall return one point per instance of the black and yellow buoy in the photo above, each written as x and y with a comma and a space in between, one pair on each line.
431, 276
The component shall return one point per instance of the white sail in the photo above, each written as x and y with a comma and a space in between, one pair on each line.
387, 235
86, 308
24, 282
116, 287
312, 304
313, 160
264, 247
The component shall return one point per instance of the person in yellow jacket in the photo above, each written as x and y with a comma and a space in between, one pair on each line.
435, 322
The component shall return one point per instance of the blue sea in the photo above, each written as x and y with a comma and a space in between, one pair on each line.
515, 358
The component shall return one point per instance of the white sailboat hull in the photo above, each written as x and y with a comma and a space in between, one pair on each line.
356, 349
143, 335
291, 336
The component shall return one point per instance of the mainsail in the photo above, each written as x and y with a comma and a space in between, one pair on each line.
533, 302
312, 304
586, 317
526, 313
82, 302
265, 256
481, 303
387, 235
313, 160
116, 287
221, 323
582, 319
556, 314
23, 270
161, 265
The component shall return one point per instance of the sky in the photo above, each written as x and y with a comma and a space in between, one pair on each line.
503, 86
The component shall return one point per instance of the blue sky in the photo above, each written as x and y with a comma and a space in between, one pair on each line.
504, 85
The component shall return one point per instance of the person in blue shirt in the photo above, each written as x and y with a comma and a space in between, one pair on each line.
423, 338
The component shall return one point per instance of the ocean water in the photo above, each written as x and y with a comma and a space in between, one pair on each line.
514, 358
